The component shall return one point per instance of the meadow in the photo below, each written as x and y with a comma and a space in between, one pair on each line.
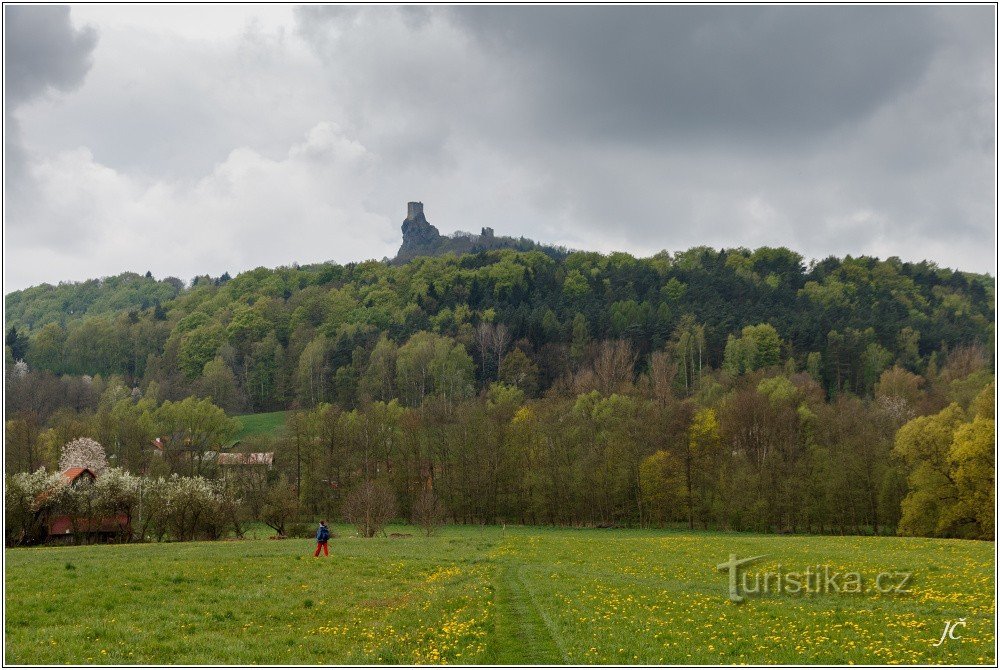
267, 423
492, 595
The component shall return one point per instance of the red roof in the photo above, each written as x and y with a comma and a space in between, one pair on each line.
72, 474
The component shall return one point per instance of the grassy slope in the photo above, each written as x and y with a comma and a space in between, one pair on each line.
481, 595
268, 423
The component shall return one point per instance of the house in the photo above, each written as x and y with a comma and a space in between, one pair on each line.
182, 453
65, 526
78, 476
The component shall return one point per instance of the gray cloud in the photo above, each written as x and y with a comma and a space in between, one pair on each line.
832, 130
43, 51
728, 72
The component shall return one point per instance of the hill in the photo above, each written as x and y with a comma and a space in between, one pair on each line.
842, 320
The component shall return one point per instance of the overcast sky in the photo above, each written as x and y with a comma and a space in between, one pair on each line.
194, 139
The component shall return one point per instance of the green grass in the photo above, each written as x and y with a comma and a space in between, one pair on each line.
484, 595
268, 423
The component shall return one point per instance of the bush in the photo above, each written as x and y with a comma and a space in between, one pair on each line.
25, 506
118, 495
300, 529
192, 508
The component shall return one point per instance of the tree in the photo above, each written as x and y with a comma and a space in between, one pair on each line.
428, 511
661, 478
264, 379
688, 346
312, 372
198, 347
973, 462
281, 504
974, 472
379, 379
46, 351
925, 444
662, 373
701, 460
20, 445
614, 367
18, 343
126, 427
370, 506
575, 285
118, 496
413, 367
493, 340
83, 453
580, 339
191, 508
431, 364
219, 383
519, 370
758, 347
192, 427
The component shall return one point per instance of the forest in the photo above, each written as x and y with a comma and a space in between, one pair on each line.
708, 388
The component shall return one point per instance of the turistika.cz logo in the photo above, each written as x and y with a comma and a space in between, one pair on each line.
815, 579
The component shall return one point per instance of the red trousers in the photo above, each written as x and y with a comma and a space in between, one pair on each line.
322, 545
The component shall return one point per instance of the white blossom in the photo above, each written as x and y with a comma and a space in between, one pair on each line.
83, 452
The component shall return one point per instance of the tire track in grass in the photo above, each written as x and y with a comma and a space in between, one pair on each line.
553, 633
523, 634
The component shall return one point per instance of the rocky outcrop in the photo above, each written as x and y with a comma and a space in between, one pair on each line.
420, 238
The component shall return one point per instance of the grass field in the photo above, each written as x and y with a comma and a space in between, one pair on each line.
485, 595
268, 423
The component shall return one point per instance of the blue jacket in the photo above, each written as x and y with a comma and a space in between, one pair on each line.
323, 534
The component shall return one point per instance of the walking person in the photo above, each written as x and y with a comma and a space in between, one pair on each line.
322, 539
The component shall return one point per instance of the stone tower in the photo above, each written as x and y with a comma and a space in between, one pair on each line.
420, 238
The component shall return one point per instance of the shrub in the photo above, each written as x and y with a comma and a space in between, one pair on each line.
191, 508
118, 494
25, 505
300, 529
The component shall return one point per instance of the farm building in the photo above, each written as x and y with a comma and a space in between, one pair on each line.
65, 526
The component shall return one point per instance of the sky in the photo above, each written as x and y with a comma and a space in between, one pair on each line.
201, 139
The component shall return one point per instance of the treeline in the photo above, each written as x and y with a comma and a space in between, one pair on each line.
32, 308
273, 339
763, 450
